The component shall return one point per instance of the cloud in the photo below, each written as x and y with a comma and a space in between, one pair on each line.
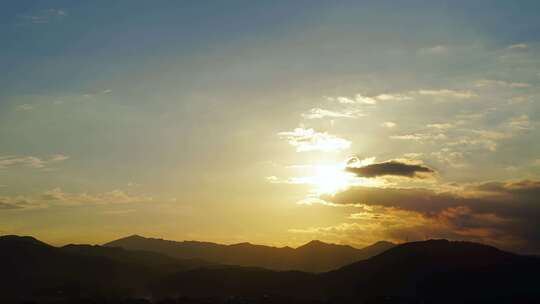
435, 50
310, 140
521, 122
500, 83
366, 100
440, 126
407, 137
58, 197
8, 206
357, 99
420, 136
316, 113
448, 93
499, 213
392, 97
46, 16
111, 197
30, 161
388, 124
392, 167
25, 107
518, 46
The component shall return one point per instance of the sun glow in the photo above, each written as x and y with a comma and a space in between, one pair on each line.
331, 178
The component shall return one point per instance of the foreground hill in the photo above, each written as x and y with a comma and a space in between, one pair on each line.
439, 269
314, 256
33, 269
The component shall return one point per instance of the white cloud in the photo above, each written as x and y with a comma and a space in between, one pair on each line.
440, 126
316, 113
407, 137
369, 100
392, 97
388, 124
448, 93
311, 140
500, 83
357, 99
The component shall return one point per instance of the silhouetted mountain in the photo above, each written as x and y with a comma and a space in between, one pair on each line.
31, 268
435, 271
314, 256
439, 271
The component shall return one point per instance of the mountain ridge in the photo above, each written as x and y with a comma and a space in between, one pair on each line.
314, 256
433, 271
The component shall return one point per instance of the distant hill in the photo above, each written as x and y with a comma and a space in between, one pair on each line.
314, 256
434, 271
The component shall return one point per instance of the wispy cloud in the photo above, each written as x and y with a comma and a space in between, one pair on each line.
25, 107
316, 113
521, 122
464, 94
30, 161
369, 100
58, 197
518, 46
500, 83
46, 16
435, 50
310, 140
389, 124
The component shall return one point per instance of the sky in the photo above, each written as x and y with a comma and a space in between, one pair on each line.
272, 122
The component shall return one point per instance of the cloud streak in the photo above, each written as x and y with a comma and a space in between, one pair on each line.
30, 161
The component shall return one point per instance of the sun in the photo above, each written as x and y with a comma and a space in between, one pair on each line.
329, 179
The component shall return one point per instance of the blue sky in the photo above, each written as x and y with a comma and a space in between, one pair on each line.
234, 120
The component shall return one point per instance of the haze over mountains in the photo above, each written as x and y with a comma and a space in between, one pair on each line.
434, 271
314, 256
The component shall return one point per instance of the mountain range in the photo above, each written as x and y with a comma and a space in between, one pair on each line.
315, 256
433, 271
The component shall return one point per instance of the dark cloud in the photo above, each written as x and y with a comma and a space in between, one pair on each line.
7, 206
392, 167
486, 212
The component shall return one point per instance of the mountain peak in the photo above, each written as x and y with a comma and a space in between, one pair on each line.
315, 244
22, 239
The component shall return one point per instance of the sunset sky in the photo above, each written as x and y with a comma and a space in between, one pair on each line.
272, 122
